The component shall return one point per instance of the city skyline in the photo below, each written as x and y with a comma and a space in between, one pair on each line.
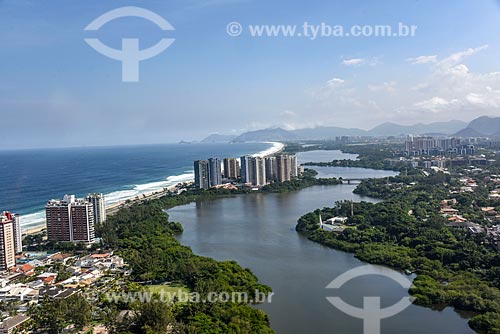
446, 71
250, 166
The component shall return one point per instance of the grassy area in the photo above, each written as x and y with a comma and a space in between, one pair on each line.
170, 290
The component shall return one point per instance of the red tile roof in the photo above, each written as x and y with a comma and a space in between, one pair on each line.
26, 267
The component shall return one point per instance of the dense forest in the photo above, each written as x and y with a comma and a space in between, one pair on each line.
307, 179
406, 231
144, 236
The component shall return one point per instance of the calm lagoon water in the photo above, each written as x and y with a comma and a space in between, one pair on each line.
257, 230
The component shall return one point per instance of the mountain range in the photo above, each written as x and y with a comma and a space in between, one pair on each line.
217, 138
483, 126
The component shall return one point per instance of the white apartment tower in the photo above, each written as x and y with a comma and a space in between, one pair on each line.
97, 200
7, 245
257, 171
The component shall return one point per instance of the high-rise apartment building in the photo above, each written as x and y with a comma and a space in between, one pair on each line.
257, 171
214, 171
70, 220
231, 168
97, 200
7, 216
283, 168
432, 145
244, 164
271, 169
201, 174
286, 167
7, 241
18, 240
294, 168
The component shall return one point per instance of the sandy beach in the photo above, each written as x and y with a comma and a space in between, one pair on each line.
113, 208
275, 149
110, 209
34, 230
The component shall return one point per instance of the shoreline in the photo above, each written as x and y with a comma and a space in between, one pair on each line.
154, 194
350, 254
275, 149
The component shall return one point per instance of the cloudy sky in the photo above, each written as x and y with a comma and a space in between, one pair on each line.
55, 90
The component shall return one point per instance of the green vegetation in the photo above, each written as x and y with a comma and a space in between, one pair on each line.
369, 156
407, 231
56, 315
308, 179
144, 237
170, 289
361, 163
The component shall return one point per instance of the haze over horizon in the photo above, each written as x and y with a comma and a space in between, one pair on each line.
57, 91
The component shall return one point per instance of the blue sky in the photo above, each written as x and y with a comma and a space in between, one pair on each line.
55, 90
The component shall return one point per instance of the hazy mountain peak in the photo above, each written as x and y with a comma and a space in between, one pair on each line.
483, 126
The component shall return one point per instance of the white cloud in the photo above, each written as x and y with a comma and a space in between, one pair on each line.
335, 82
489, 98
388, 87
457, 57
353, 61
288, 113
453, 90
450, 89
360, 61
422, 60
435, 104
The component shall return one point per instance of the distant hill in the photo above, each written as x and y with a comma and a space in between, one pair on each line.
483, 126
468, 132
392, 129
276, 134
216, 138
329, 132
324, 132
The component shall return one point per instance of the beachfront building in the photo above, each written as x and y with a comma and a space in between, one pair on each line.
294, 167
284, 168
257, 171
201, 174
231, 168
18, 240
215, 171
271, 168
97, 200
16, 229
70, 220
7, 244
244, 164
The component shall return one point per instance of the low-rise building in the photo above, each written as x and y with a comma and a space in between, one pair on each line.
11, 324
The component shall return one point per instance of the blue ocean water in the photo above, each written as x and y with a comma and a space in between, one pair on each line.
29, 178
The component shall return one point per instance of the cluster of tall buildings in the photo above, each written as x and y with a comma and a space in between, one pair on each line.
257, 171
69, 219
436, 146
281, 168
10, 239
207, 173
253, 170
73, 220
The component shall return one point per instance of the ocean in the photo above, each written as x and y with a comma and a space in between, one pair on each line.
29, 178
